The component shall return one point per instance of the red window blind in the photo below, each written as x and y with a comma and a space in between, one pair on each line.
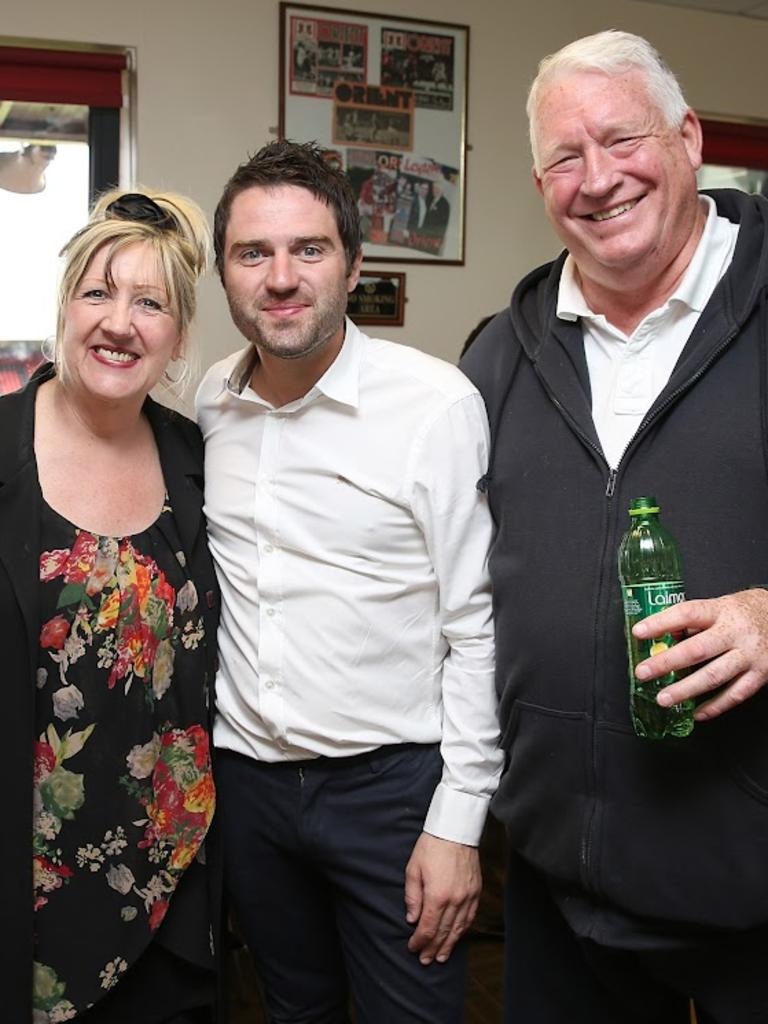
735, 145
61, 76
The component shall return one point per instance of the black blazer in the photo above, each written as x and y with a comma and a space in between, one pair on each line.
181, 457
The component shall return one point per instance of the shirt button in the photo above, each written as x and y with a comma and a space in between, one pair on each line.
269, 685
270, 612
268, 549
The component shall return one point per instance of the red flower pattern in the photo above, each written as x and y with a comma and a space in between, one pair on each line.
45, 761
52, 564
185, 756
157, 913
54, 632
121, 609
81, 558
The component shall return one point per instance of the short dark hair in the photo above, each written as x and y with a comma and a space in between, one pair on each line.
305, 165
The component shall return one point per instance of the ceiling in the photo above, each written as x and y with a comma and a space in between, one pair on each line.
744, 8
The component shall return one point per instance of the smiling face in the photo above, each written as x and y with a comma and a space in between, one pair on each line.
619, 185
118, 333
285, 272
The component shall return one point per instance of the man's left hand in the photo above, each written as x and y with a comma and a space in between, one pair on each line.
727, 639
442, 889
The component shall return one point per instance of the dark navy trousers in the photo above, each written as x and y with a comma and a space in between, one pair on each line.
315, 855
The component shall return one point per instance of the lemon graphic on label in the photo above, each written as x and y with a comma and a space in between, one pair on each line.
658, 646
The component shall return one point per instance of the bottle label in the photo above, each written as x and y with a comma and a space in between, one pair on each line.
642, 599
648, 718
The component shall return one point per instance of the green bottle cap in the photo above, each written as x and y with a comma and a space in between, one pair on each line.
642, 506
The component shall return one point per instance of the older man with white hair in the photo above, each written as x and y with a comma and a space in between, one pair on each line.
634, 364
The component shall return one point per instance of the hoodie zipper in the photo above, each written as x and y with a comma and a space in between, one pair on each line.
610, 488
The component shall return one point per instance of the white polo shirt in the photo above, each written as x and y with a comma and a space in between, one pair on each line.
626, 374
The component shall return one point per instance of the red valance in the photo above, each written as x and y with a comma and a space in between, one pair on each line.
735, 145
61, 76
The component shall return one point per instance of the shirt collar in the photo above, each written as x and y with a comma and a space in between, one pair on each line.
237, 378
706, 267
696, 287
340, 382
570, 300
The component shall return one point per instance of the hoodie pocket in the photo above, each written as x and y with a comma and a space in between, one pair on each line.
684, 833
543, 797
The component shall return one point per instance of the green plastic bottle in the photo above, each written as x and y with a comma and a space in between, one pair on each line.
651, 575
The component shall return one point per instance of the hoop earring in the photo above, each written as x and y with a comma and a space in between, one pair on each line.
48, 348
182, 376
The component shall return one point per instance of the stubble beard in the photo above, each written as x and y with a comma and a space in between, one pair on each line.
289, 340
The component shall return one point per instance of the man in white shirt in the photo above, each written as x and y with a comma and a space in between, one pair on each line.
634, 364
356, 730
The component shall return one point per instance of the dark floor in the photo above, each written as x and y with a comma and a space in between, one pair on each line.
485, 982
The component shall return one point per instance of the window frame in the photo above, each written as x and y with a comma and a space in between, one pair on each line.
107, 126
127, 159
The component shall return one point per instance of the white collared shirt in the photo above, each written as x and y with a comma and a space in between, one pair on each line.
626, 374
350, 543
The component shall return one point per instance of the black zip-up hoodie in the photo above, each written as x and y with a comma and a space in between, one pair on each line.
672, 830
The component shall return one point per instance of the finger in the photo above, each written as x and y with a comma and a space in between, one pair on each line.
690, 652
709, 677
414, 894
461, 924
695, 615
741, 689
443, 934
426, 930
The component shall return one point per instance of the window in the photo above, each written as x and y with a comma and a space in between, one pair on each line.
65, 136
735, 155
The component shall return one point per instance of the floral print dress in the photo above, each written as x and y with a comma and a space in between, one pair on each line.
123, 789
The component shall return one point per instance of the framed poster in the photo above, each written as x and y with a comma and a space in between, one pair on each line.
379, 299
386, 98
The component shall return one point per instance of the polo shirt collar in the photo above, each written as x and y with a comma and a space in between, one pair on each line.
695, 289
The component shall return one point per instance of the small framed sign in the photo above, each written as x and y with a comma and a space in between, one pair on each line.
379, 298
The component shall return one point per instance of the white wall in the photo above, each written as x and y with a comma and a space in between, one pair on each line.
208, 93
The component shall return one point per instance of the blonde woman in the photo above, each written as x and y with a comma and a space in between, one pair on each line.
107, 623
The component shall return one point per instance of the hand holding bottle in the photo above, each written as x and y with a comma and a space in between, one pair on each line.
727, 639
651, 575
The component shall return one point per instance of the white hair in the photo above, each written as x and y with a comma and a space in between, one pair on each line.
610, 53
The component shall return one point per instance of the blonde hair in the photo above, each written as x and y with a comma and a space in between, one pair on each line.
610, 53
178, 236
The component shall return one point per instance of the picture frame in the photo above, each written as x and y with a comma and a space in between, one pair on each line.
386, 99
378, 299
